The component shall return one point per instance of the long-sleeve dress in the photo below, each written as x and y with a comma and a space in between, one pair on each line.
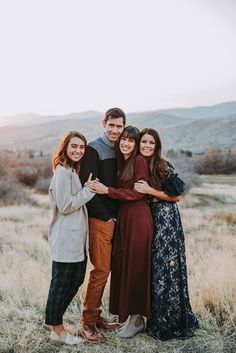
172, 316
131, 257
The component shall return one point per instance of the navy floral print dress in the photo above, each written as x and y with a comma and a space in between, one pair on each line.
172, 316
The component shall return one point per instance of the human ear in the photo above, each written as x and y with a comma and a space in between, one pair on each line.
104, 122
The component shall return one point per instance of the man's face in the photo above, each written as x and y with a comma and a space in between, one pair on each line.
113, 128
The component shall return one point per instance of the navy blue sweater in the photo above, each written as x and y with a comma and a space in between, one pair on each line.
100, 160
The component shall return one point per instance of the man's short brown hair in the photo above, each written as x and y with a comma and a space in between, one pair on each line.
115, 113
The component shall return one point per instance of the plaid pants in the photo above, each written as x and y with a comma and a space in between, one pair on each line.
65, 282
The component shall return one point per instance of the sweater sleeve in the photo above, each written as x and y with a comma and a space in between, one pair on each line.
90, 164
141, 172
61, 191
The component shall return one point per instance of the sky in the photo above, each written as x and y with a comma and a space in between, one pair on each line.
63, 56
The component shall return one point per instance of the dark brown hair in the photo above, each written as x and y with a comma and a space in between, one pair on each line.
60, 155
158, 166
126, 167
114, 113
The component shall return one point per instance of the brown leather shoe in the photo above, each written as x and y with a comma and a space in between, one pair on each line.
91, 334
108, 326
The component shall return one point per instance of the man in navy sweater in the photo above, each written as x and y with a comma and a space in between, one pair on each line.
100, 160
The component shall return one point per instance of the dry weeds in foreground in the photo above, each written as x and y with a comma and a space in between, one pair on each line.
211, 249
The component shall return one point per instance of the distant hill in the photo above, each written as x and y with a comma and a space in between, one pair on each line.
215, 111
195, 129
33, 118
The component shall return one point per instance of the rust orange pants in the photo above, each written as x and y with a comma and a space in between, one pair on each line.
100, 246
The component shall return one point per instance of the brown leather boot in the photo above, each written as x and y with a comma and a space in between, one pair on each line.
91, 334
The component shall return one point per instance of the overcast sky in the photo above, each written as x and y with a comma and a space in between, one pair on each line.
63, 56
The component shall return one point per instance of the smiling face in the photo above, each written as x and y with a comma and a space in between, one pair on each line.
113, 128
75, 149
147, 145
127, 146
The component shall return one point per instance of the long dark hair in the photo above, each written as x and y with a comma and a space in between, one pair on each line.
60, 155
126, 167
158, 166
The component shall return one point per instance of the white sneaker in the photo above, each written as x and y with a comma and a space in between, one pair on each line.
65, 338
131, 328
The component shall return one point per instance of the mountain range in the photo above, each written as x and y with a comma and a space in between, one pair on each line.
196, 129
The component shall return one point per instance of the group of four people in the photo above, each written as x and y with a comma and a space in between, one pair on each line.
132, 228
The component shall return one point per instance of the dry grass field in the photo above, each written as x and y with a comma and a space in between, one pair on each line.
209, 219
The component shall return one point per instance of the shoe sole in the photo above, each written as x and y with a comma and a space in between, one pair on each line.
143, 329
92, 341
66, 344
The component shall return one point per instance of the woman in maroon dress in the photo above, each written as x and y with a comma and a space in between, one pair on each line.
131, 257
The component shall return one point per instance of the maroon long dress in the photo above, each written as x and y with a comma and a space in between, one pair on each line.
131, 256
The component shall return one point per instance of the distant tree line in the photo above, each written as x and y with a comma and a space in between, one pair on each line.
28, 169
213, 161
174, 154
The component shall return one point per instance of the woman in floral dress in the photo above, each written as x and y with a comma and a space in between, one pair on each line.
172, 316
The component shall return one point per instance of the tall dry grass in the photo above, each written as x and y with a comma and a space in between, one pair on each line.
211, 248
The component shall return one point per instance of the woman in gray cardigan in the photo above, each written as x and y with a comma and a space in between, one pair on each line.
68, 233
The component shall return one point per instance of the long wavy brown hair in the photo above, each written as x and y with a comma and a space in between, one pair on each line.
60, 155
158, 166
126, 167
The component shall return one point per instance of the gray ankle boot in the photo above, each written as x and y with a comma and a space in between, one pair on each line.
134, 326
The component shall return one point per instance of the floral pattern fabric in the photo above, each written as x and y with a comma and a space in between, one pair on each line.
172, 316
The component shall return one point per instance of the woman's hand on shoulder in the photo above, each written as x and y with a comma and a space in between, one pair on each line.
143, 187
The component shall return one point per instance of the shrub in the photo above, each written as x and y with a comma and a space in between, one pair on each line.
216, 162
5, 188
11, 193
187, 153
43, 166
4, 162
42, 185
228, 217
27, 175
